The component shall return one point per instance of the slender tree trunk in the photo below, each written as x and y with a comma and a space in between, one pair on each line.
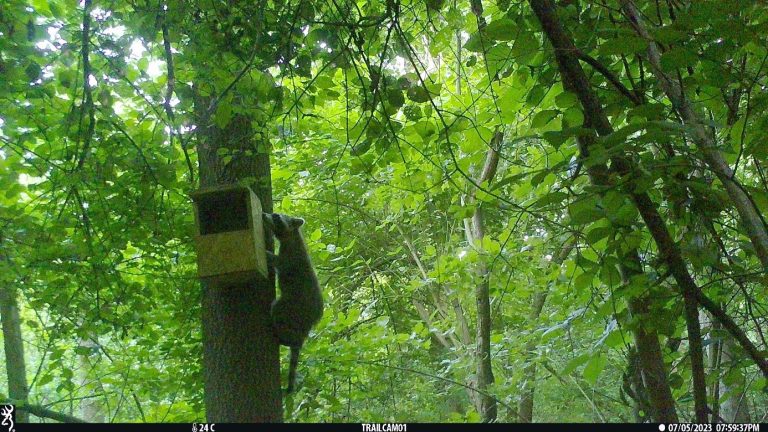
750, 215
525, 406
485, 404
735, 407
453, 342
241, 355
475, 231
633, 385
13, 343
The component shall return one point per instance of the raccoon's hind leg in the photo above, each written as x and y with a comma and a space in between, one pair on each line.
287, 329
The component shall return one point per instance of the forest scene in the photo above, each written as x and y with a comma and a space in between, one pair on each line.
516, 211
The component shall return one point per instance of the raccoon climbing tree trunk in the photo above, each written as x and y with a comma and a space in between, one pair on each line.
241, 357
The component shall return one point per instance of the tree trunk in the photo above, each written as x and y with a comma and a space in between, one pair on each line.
16, 368
485, 404
241, 355
651, 361
633, 385
452, 342
474, 230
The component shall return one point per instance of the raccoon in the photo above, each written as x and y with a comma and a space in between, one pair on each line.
300, 305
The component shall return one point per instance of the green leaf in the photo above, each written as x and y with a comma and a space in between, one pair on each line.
596, 234
435, 5
501, 30
33, 71
361, 148
425, 129
668, 35
412, 112
584, 211
623, 45
525, 46
395, 97
678, 57
550, 198
609, 274
583, 281
575, 363
566, 100
594, 367
13, 191
625, 215
418, 94
42, 7
45, 379
223, 114
477, 42
83, 350
542, 118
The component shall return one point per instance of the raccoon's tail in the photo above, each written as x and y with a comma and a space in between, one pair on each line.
293, 365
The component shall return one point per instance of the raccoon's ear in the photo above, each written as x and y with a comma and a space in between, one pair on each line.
297, 222
267, 219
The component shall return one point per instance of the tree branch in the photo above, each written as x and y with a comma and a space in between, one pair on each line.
44, 412
610, 76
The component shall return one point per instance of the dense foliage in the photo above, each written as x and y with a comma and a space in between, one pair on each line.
380, 117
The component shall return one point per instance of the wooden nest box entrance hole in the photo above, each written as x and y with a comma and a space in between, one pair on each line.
228, 211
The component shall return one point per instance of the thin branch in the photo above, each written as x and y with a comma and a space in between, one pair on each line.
610, 76
87, 104
44, 412
170, 88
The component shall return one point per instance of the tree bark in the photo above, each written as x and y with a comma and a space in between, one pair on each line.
43, 412
450, 342
241, 355
16, 367
735, 407
750, 215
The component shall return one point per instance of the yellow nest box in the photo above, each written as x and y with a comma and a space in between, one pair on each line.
230, 237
